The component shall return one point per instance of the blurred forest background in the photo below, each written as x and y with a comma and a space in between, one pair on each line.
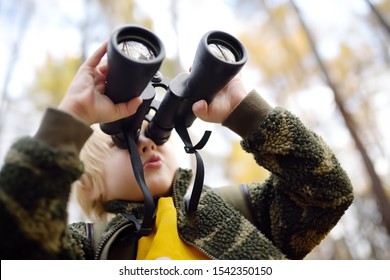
327, 61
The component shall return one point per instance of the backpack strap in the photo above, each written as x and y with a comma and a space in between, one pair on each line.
236, 196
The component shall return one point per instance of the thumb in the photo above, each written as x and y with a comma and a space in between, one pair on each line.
128, 108
200, 109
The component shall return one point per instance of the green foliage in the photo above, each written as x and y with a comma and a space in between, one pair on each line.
124, 12
52, 79
278, 48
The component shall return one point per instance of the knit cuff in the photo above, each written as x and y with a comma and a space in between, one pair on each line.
248, 114
61, 130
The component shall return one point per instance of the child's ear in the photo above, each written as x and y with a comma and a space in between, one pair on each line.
89, 192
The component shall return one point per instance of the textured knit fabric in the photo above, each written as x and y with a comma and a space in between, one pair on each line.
292, 211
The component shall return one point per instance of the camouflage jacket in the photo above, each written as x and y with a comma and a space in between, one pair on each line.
286, 216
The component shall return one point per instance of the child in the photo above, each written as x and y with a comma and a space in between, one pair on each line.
284, 217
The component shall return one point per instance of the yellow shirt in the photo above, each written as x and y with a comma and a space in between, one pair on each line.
164, 241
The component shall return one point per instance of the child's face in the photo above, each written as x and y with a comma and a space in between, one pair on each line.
159, 163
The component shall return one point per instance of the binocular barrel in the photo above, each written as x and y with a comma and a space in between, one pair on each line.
219, 57
134, 55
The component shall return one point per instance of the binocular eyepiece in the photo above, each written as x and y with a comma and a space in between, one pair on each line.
135, 55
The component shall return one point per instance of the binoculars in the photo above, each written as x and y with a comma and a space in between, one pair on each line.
134, 57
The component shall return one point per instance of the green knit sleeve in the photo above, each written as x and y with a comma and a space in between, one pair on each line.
307, 192
35, 182
34, 188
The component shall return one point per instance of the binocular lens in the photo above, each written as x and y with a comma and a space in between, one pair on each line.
136, 50
222, 52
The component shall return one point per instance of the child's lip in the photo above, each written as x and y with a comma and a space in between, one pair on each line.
153, 161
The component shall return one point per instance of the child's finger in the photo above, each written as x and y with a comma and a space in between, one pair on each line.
96, 57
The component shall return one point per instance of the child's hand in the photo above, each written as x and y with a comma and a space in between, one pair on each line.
85, 96
223, 103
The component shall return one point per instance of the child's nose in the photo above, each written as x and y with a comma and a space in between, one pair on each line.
145, 144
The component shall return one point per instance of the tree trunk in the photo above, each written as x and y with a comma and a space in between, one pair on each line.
377, 187
380, 18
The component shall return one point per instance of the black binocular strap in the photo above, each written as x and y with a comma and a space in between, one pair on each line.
147, 223
192, 205
150, 207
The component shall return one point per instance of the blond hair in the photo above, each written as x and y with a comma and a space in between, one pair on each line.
89, 189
